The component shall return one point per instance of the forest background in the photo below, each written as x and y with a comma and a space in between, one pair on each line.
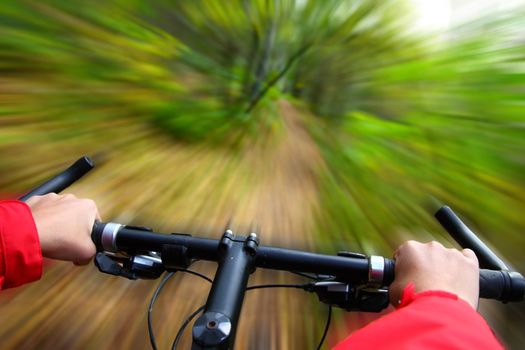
334, 125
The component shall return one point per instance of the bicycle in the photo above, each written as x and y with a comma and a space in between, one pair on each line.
348, 280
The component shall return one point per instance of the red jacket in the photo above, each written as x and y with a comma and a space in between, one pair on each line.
427, 320
20, 253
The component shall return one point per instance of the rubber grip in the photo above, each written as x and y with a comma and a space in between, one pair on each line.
390, 267
96, 234
506, 286
492, 284
501, 285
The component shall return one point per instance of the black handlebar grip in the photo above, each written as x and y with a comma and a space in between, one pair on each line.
501, 285
62, 180
491, 284
96, 234
506, 286
389, 272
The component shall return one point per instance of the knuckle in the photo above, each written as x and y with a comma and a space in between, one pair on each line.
454, 251
469, 253
436, 245
408, 248
410, 244
89, 203
469, 258
473, 260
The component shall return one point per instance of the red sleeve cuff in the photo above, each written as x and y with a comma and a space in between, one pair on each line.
426, 320
20, 252
409, 295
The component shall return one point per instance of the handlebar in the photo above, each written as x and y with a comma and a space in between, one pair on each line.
468, 239
63, 180
354, 268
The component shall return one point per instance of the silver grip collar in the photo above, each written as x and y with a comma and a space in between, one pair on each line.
109, 237
376, 270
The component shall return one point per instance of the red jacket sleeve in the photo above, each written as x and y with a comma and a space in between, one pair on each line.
427, 320
20, 253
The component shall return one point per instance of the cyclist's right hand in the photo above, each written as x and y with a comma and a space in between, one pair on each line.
431, 266
64, 225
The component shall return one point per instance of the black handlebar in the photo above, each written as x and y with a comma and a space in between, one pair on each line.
496, 280
136, 241
499, 285
468, 239
63, 180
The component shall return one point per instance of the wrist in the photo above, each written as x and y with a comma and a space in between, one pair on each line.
409, 295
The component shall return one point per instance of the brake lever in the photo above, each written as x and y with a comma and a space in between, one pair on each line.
350, 298
134, 267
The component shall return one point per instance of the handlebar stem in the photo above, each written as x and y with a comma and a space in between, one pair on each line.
215, 329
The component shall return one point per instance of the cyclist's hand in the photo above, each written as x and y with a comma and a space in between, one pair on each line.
431, 266
64, 225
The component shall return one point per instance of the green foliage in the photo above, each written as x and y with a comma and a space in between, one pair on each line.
192, 67
447, 127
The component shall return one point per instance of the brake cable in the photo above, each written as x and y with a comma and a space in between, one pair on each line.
168, 275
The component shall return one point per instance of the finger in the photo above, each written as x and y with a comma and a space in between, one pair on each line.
81, 262
91, 207
33, 200
394, 294
402, 247
406, 246
469, 253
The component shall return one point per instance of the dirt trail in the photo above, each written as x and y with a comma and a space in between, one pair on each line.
285, 197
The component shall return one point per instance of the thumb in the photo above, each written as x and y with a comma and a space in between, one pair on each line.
81, 262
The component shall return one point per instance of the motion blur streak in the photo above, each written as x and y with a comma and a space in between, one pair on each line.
331, 124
